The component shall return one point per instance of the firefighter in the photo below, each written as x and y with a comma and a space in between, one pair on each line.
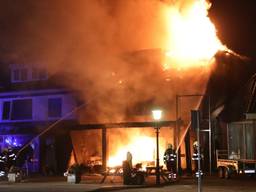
129, 159
11, 157
196, 158
127, 169
170, 159
2, 163
25, 156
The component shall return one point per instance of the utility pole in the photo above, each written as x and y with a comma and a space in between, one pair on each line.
195, 124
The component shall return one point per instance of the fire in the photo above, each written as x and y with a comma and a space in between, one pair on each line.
143, 150
193, 40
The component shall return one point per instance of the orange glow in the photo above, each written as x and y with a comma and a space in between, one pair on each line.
193, 40
143, 151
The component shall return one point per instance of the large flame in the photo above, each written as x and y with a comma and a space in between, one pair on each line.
142, 149
193, 40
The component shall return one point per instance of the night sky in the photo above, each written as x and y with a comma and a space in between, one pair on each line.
235, 21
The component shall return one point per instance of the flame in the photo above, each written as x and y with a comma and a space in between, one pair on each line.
193, 40
142, 148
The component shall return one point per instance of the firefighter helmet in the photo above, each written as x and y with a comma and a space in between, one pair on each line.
195, 144
170, 146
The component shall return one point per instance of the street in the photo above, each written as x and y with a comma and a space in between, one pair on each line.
57, 184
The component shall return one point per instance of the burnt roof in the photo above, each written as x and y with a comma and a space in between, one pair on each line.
229, 85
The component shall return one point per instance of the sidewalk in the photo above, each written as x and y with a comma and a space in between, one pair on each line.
59, 184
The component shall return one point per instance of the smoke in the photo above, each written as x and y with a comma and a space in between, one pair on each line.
92, 43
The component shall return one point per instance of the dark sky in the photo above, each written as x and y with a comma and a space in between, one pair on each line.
235, 21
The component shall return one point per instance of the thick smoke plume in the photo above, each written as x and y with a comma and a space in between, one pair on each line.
94, 43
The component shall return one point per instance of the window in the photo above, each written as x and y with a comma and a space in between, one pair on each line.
6, 110
54, 107
20, 75
23, 74
16, 75
21, 109
34, 73
17, 109
39, 74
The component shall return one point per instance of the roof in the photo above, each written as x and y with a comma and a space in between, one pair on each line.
230, 86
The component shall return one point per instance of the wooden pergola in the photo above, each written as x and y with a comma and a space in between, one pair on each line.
105, 126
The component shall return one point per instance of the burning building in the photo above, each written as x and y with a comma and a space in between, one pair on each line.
134, 130
140, 80
119, 74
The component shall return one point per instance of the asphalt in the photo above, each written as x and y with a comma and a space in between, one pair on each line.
92, 184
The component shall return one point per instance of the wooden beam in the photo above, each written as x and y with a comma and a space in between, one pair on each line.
124, 125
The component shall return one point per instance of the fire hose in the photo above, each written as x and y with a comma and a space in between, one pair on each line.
182, 138
50, 127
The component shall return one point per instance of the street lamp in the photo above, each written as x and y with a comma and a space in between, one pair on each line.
157, 115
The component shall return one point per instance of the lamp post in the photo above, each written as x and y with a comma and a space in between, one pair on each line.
157, 115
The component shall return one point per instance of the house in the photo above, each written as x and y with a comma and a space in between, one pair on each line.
30, 104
